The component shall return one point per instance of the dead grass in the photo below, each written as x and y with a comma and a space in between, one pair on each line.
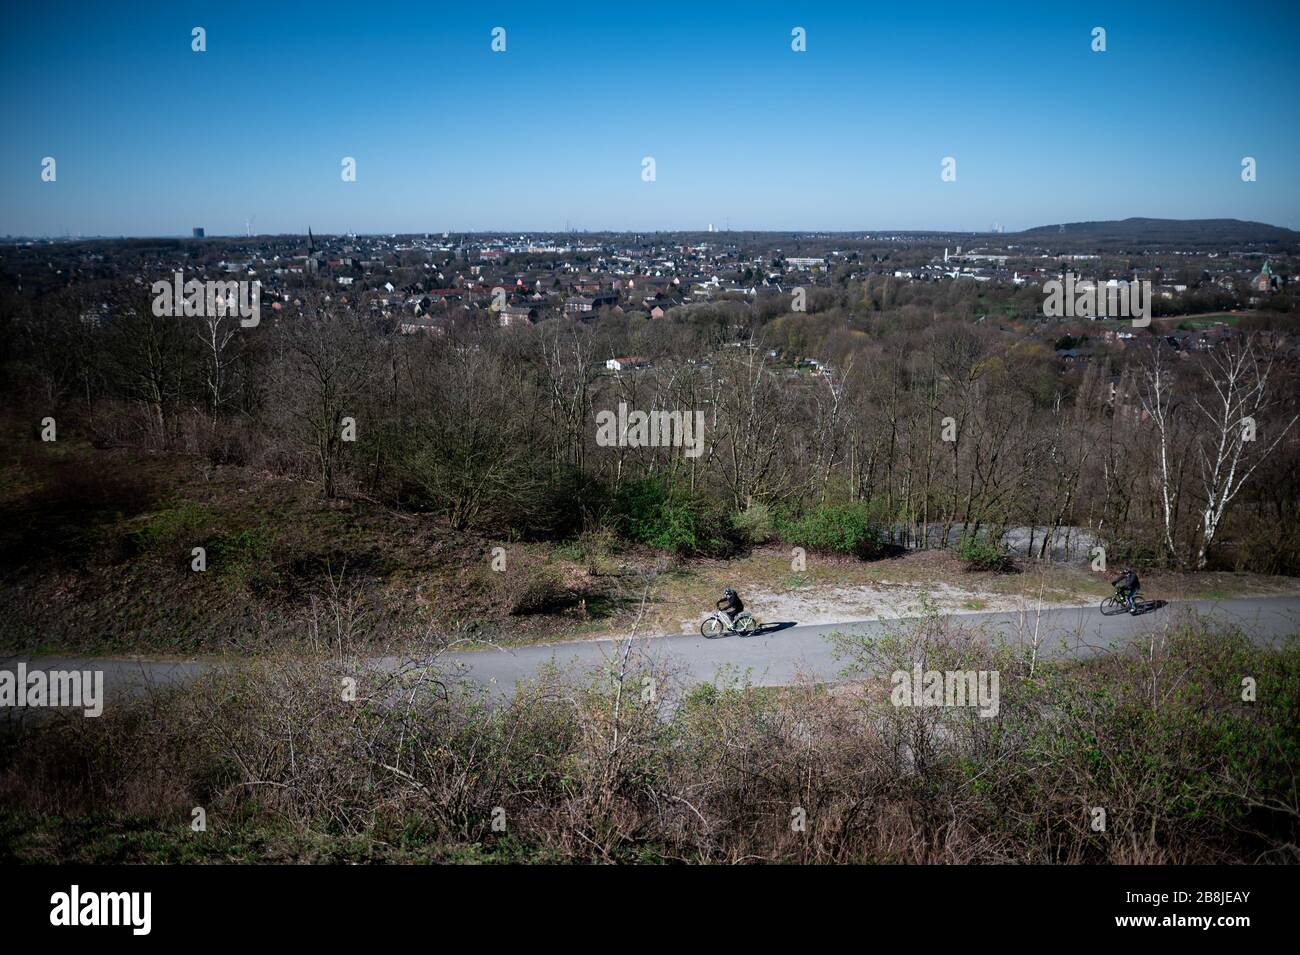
589, 767
96, 550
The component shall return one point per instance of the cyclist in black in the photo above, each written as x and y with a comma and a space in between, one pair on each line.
731, 605
1128, 586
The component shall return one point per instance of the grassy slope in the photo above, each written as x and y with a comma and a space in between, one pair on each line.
95, 555
95, 552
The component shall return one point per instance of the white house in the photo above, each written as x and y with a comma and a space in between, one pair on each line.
626, 362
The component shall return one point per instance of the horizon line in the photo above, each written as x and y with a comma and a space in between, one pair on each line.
66, 237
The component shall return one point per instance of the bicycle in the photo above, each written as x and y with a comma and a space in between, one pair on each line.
1117, 603
714, 625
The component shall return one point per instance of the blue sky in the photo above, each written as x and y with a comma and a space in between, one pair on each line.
152, 138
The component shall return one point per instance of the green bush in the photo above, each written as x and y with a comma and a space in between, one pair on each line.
980, 553
754, 524
846, 528
664, 514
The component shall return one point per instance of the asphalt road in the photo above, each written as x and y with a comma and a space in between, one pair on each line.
780, 654
779, 657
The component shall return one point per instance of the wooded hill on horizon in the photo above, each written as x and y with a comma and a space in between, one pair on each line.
1165, 231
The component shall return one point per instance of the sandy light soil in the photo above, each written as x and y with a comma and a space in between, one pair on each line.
884, 600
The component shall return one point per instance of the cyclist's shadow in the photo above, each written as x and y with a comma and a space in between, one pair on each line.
1147, 606
769, 628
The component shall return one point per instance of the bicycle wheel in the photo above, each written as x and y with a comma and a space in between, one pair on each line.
711, 628
746, 626
1112, 605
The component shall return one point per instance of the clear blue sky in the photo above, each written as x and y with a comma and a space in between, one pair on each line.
152, 139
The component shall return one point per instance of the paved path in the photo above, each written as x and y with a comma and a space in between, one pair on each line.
776, 656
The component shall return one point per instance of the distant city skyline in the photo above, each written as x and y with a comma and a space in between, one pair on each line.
502, 234
153, 139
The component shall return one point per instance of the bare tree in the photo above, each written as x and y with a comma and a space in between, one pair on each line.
327, 377
216, 330
1229, 451
752, 430
1156, 396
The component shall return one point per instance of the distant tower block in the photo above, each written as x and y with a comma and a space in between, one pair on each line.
198, 232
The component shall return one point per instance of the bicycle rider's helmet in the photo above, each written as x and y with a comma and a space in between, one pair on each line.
728, 592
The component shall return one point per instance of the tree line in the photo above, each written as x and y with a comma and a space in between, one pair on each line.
925, 421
